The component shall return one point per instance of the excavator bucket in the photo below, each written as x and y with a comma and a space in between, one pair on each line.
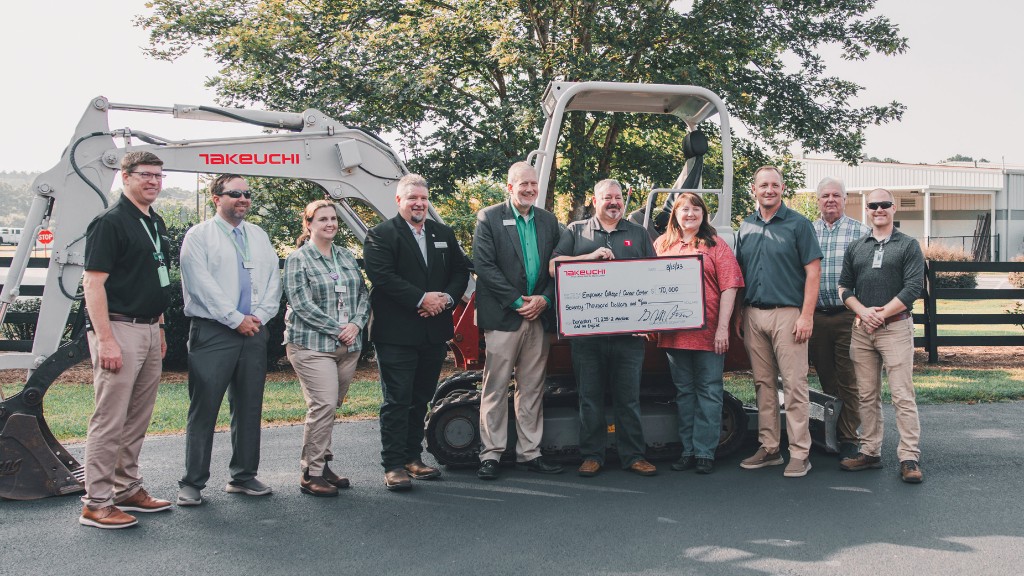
33, 464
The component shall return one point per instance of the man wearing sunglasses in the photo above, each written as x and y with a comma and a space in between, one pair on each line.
830, 341
883, 274
232, 288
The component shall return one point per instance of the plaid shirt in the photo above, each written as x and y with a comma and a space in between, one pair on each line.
834, 240
313, 320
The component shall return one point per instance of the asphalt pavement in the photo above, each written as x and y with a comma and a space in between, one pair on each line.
966, 518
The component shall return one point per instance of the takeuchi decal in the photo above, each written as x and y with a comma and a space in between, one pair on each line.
250, 158
591, 272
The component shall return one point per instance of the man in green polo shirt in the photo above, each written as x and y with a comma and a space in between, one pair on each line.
514, 295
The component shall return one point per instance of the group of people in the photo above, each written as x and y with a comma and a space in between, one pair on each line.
418, 272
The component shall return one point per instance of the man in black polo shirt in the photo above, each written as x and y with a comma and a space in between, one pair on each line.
781, 262
608, 362
125, 281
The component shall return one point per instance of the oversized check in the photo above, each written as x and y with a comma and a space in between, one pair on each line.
602, 297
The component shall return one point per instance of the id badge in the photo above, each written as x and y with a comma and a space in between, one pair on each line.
340, 289
877, 262
161, 273
342, 315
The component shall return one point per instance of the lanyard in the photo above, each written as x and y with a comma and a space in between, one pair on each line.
154, 237
243, 250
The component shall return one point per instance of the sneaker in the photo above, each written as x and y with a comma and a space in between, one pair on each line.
141, 501
107, 518
189, 496
797, 468
860, 462
910, 472
251, 487
684, 463
762, 458
705, 465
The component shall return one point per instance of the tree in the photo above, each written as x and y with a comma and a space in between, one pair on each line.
461, 80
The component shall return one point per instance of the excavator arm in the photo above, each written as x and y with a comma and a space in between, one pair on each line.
349, 164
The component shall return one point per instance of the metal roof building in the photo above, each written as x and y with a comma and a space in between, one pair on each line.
979, 208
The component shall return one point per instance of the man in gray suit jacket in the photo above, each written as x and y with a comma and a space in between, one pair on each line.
514, 297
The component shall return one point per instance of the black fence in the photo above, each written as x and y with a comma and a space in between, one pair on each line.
931, 319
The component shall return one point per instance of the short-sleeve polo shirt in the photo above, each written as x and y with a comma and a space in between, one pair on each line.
772, 256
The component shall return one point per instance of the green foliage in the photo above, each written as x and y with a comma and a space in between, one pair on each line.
942, 253
461, 81
459, 208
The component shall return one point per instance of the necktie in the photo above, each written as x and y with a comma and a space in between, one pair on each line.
244, 281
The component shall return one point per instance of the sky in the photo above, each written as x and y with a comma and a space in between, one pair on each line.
960, 80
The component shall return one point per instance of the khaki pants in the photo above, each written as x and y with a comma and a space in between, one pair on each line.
526, 352
830, 353
768, 338
124, 407
324, 378
890, 346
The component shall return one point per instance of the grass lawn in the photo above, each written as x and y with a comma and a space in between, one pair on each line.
972, 307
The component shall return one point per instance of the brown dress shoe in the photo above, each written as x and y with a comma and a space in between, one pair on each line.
108, 518
141, 501
420, 471
334, 479
397, 479
316, 486
643, 468
590, 467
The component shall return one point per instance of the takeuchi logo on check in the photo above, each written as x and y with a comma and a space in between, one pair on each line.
591, 272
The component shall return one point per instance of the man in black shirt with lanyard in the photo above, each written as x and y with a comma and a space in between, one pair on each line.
125, 281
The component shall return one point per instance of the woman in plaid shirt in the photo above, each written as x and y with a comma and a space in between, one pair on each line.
328, 308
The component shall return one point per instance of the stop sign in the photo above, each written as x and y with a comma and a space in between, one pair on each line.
45, 236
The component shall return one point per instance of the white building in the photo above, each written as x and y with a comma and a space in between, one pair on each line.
948, 203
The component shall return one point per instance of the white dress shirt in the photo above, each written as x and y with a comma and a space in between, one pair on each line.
209, 278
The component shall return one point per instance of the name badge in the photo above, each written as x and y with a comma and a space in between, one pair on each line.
340, 288
440, 245
508, 222
877, 262
163, 276
247, 264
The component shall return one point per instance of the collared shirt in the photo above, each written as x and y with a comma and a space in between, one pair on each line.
208, 279
900, 273
833, 240
527, 230
118, 244
772, 255
420, 238
314, 319
627, 240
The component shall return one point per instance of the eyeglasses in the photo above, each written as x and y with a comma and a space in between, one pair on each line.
876, 205
150, 175
236, 194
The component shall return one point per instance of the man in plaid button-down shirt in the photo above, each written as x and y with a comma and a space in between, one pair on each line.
830, 342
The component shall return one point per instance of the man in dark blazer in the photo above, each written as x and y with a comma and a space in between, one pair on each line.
514, 295
418, 273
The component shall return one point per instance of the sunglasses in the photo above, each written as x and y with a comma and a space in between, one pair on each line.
236, 194
876, 205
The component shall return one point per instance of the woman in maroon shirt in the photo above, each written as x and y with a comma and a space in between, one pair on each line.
696, 358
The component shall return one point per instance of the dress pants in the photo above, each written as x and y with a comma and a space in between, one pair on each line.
613, 364
408, 379
768, 338
524, 351
124, 407
891, 346
324, 378
830, 353
222, 360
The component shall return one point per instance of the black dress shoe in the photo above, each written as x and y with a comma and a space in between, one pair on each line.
684, 463
705, 465
488, 470
539, 465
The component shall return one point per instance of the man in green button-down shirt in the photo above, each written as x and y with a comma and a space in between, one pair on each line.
514, 295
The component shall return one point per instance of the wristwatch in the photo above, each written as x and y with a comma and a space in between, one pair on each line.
451, 301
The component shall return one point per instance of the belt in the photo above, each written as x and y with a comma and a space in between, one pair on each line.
768, 306
830, 310
897, 317
133, 320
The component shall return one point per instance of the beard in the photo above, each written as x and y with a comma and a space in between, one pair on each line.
417, 218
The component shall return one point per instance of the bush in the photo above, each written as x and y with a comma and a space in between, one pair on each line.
939, 253
1017, 278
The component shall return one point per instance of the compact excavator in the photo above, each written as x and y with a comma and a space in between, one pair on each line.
353, 167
